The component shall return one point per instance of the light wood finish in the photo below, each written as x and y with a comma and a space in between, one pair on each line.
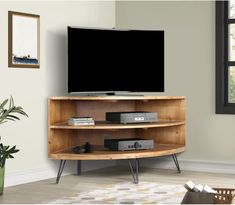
100, 153
164, 135
168, 133
116, 98
106, 125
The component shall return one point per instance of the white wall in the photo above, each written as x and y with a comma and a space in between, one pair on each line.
189, 70
32, 87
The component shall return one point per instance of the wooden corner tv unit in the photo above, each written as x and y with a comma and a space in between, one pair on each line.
168, 132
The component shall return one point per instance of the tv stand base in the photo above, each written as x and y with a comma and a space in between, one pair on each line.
176, 162
133, 164
134, 167
61, 168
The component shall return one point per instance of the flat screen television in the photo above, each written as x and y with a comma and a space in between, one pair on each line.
114, 60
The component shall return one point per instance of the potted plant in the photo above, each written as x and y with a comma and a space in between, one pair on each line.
8, 112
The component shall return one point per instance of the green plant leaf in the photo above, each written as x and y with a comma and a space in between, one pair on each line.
9, 113
3, 104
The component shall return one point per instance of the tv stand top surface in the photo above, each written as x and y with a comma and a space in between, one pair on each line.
116, 97
108, 93
123, 94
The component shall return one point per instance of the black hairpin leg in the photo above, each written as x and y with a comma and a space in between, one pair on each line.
79, 168
134, 167
61, 167
176, 162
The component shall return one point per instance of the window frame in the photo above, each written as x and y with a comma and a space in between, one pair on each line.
222, 63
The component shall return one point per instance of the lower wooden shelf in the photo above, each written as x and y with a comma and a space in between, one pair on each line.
100, 153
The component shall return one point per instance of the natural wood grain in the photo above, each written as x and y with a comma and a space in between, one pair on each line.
104, 154
166, 135
169, 129
116, 98
60, 111
97, 109
173, 109
96, 137
106, 125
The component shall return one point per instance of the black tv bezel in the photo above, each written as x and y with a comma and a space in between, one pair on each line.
115, 92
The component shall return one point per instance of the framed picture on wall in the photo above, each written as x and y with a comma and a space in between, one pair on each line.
23, 40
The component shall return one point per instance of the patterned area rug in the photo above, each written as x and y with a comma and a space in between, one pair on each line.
128, 193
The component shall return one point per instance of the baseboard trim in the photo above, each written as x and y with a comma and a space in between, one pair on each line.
187, 165
206, 166
31, 175
37, 174
48, 172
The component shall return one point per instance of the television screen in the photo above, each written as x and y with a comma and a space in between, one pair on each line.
112, 60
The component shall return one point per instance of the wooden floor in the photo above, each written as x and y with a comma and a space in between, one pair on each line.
46, 190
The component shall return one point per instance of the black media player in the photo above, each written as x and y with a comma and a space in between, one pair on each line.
128, 144
131, 117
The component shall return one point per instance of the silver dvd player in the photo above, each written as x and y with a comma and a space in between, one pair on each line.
131, 117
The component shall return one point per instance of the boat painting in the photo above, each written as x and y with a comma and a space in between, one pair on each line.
24, 40
25, 60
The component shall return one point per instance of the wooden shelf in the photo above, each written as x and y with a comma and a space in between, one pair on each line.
106, 125
168, 132
100, 153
